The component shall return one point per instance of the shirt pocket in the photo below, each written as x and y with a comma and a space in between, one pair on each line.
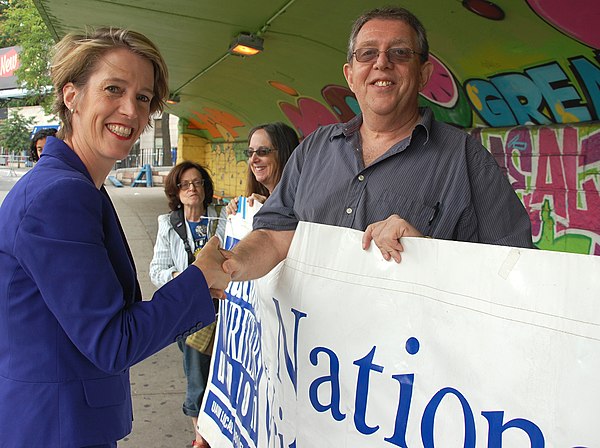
419, 214
103, 392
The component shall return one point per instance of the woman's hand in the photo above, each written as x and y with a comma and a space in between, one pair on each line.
256, 197
232, 206
210, 262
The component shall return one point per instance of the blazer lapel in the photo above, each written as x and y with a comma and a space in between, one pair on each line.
136, 294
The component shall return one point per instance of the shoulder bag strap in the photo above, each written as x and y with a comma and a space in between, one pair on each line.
178, 223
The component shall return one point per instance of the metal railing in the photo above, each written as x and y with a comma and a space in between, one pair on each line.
15, 161
140, 157
137, 158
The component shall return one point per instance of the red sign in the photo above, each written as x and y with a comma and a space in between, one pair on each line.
9, 62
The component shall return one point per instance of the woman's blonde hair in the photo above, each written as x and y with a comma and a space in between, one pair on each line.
75, 56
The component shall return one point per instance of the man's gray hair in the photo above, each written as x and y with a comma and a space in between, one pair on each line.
391, 13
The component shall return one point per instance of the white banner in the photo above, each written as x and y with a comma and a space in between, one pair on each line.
460, 345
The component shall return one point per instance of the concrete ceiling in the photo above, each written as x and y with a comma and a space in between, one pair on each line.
298, 78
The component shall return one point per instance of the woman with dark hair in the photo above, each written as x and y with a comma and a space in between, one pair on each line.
270, 147
72, 328
189, 189
38, 141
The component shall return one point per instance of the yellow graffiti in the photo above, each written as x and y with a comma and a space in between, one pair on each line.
472, 92
566, 117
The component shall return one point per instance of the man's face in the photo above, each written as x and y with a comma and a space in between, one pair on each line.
381, 87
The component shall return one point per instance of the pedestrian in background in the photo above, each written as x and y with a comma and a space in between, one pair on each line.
182, 234
270, 146
38, 141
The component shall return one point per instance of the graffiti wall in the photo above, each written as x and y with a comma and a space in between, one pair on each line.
542, 94
225, 161
555, 170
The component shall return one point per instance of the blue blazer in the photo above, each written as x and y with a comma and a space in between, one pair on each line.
71, 319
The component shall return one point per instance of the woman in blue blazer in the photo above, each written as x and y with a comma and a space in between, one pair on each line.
71, 317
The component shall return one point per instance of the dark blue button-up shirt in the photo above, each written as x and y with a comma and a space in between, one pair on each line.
440, 179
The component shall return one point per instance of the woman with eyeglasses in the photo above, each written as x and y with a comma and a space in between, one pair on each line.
189, 189
270, 147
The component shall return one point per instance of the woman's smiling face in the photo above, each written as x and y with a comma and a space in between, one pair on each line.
264, 168
113, 108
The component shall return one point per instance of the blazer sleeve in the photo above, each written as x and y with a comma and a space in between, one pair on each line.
64, 248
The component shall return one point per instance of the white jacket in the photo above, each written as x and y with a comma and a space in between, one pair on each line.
169, 252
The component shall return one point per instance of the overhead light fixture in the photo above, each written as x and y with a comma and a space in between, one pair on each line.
246, 44
173, 99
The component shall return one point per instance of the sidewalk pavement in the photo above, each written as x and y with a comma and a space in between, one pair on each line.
157, 383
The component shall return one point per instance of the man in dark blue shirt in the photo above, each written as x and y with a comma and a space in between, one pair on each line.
392, 171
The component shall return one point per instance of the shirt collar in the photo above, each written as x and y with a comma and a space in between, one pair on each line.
424, 123
351, 127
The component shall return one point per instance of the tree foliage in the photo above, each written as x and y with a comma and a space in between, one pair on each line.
6, 40
15, 133
23, 26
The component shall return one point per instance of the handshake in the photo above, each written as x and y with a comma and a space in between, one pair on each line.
214, 264
262, 249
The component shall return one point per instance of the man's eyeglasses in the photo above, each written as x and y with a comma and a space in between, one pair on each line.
186, 184
395, 55
260, 152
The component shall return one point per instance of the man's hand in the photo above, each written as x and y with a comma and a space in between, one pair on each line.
231, 265
387, 234
256, 254
210, 262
